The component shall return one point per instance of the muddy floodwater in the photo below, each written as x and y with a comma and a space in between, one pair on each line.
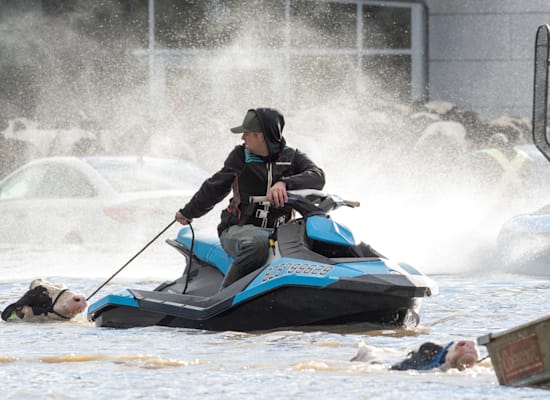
76, 360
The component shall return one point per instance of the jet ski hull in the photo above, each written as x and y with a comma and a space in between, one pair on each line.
344, 302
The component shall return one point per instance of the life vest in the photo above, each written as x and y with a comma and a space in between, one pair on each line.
255, 180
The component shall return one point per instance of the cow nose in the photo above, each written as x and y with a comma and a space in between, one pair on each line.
468, 344
79, 298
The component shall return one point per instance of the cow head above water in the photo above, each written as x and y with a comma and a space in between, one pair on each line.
462, 354
45, 301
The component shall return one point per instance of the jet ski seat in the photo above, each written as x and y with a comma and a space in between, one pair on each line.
207, 248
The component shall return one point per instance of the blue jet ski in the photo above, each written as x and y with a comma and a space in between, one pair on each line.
317, 275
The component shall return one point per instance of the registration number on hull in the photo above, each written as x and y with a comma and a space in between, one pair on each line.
288, 268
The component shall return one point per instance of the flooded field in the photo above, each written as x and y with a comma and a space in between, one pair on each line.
76, 360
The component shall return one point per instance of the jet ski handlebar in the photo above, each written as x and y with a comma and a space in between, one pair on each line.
317, 198
351, 203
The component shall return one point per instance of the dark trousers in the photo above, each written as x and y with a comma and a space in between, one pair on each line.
248, 245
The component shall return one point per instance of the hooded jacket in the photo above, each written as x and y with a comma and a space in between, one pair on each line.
247, 174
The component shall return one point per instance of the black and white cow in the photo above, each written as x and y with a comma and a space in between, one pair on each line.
461, 355
45, 301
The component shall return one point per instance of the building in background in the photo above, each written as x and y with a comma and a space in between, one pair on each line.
475, 54
290, 53
481, 53
65, 58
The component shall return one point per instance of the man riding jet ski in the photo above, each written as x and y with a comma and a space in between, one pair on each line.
266, 270
262, 166
316, 275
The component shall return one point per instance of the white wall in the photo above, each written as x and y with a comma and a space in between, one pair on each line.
481, 53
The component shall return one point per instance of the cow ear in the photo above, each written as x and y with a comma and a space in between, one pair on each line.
35, 283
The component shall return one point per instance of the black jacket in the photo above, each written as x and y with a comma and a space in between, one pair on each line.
247, 175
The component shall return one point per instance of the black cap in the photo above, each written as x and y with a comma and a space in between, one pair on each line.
251, 123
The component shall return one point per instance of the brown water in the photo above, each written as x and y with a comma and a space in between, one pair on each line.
76, 360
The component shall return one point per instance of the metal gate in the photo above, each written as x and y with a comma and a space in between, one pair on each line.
540, 90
